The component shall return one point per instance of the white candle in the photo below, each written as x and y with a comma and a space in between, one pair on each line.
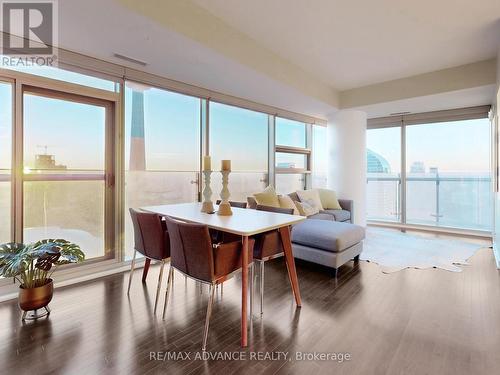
226, 165
207, 163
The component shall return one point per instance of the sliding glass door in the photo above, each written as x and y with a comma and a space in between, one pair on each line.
162, 150
68, 166
5, 161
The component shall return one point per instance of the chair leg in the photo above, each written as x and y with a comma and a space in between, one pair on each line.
251, 290
207, 319
261, 288
158, 287
169, 279
146, 269
356, 259
131, 272
335, 272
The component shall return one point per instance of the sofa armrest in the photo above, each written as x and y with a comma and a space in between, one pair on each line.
348, 205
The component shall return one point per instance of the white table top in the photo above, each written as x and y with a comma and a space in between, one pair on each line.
244, 222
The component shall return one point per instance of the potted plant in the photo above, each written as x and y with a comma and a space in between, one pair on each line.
32, 265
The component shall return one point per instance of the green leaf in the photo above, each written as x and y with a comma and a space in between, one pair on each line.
14, 259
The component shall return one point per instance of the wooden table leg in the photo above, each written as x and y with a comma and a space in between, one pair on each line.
244, 285
290, 263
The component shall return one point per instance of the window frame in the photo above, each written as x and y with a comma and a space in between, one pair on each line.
420, 119
305, 151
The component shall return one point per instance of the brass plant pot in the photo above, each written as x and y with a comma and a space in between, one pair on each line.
36, 298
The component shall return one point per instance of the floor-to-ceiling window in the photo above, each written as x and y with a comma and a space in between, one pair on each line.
162, 150
431, 169
5, 161
241, 136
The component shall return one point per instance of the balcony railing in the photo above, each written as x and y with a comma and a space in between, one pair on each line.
463, 202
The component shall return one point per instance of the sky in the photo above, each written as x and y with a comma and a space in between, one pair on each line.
455, 146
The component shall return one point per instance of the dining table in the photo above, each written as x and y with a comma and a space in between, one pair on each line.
245, 223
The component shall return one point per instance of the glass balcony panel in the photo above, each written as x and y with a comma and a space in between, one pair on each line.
73, 210
383, 198
5, 208
149, 188
241, 185
464, 203
288, 183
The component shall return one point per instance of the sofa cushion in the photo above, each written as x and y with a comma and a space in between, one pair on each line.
310, 197
322, 216
294, 197
268, 197
327, 235
329, 199
305, 209
340, 215
286, 202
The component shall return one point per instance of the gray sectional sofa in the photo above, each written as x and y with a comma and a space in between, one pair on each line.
328, 238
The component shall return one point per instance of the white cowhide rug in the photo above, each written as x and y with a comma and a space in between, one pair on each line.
394, 251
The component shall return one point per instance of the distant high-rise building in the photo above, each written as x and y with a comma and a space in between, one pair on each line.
137, 146
434, 170
417, 167
376, 163
47, 161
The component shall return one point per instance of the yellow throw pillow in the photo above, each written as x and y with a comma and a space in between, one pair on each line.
310, 197
286, 202
305, 209
267, 198
329, 199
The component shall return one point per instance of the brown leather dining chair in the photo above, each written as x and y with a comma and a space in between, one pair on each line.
268, 246
152, 241
234, 204
218, 236
194, 255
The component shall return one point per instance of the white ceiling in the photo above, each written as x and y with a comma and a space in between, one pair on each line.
344, 43
100, 28
353, 43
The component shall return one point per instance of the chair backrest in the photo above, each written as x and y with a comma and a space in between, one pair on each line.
278, 210
191, 249
150, 236
252, 203
234, 204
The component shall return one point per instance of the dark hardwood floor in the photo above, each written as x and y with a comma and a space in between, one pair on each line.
408, 322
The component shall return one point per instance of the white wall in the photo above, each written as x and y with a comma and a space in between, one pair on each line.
347, 159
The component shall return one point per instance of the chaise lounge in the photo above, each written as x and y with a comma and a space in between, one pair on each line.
328, 238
